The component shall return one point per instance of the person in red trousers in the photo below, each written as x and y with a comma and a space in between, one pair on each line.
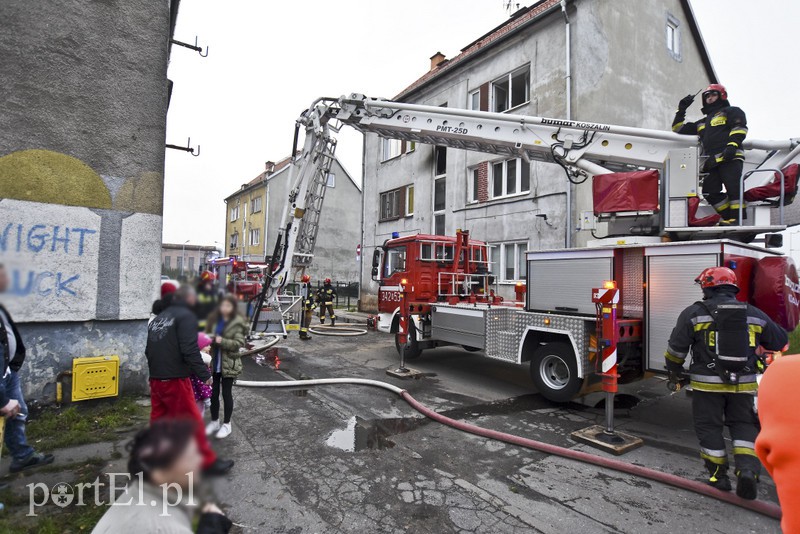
172, 357
776, 446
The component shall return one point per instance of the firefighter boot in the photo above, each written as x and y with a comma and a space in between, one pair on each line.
746, 484
719, 476
333, 320
322, 320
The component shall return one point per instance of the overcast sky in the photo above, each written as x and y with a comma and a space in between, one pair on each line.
270, 60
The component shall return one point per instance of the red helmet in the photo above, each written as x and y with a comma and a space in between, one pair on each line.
716, 87
208, 276
306, 279
327, 280
717, 276
167, 288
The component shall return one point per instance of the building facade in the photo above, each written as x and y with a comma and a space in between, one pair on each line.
84, 94
254, 214
625, 62
185, 261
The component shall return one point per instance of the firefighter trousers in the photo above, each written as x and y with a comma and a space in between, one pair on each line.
305, 322
713, 411
326, 306
728, 174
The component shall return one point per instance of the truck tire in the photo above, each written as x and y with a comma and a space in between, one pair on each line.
412, 350
555, 372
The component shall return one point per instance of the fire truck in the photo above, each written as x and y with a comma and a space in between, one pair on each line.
440, 290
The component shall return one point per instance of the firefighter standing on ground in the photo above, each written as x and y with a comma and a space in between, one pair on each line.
723, 335
721, 132
325, 298
307, 300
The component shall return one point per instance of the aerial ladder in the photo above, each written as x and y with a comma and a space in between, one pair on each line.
582, 148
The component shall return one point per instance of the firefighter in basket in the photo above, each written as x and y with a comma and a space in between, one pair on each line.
723, 335
721, 132
326, 296
308, 305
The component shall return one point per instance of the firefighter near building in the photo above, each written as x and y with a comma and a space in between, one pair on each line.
723, 335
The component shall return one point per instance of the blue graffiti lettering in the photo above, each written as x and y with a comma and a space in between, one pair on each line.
41, 237
43, 283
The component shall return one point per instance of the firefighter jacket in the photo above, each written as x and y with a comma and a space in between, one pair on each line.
307, 297
722, 126
695, 332
326, 295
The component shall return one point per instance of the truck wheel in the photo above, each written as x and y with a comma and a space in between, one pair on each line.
555, 372
412, 351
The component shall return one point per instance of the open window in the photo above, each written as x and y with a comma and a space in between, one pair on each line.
511, 90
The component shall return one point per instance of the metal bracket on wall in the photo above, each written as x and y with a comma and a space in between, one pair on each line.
195, 47
188, 148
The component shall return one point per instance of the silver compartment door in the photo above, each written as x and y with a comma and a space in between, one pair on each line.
670, 289
459, 325
565, 284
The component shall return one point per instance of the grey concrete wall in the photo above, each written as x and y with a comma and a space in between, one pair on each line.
622, 74
82, 133
340, 225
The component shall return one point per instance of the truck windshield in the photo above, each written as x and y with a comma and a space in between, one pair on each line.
395, 261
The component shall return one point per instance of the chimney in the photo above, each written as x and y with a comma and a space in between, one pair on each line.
269, 167
437, 59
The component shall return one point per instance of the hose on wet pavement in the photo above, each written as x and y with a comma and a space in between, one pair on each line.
761, 507
344, 331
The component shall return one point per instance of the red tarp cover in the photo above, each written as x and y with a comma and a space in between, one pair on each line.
625, 191
773, 189
776, 290
708, 220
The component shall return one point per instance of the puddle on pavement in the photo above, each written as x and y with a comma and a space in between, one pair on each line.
272, 357
622, 401
361, 434
523, 403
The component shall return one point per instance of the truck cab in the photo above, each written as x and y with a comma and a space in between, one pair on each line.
426, 269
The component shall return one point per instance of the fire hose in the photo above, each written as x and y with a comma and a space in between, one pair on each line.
765, 508
349, 330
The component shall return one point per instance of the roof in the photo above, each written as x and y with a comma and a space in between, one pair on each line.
279, 167
522, 19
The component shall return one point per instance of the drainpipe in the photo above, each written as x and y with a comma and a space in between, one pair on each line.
568, 81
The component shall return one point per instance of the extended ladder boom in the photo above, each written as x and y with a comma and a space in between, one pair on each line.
582, 148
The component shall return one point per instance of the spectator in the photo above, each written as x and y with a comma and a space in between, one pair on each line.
12, 403
172, 356
776, 445
166, 458
229, 330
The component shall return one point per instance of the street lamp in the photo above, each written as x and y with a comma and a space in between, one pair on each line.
183, 258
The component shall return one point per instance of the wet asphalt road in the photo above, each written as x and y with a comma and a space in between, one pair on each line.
357, 459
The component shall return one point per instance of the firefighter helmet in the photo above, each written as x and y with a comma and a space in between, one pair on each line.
327, 280
306, 279
716, 277
716, 88
208, 276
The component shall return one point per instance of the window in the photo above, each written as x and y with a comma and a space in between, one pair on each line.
393, 204
168, 262
440, 160
437, 252
395, 261
255, 236
475, 184
331, 180
180, 263
191, 263
510, 177
673, 34
439, 194
508, 261
438, 225
409, 200
475, 100
234, 240
234, 213
392, 148
511, 90
255, 205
